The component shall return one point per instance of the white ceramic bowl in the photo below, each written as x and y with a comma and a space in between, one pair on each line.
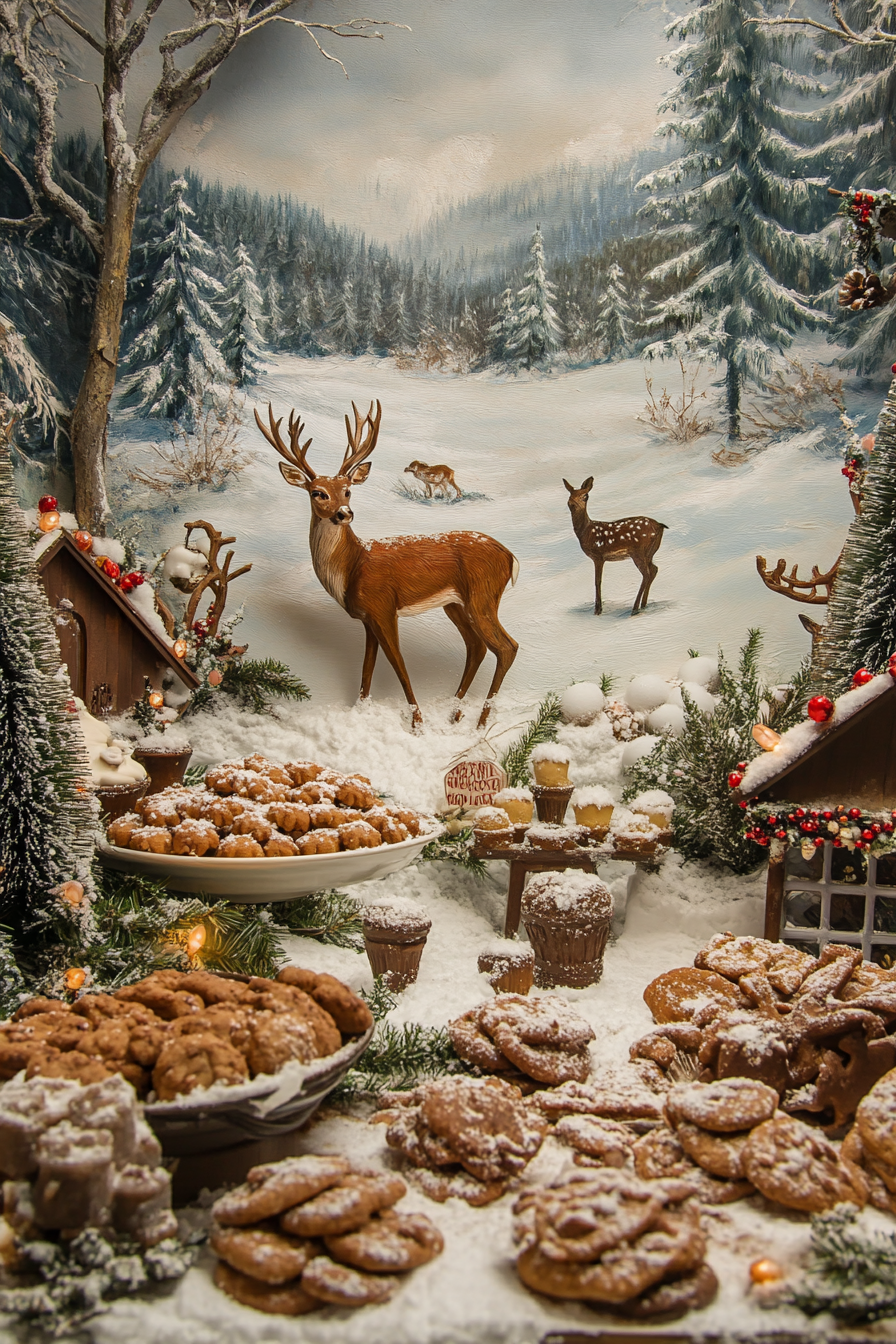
280, 879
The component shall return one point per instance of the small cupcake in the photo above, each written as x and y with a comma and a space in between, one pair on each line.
492, 828
509, 965
634, 832
550, 764
593, 808
517, 803
658, 807
547, 835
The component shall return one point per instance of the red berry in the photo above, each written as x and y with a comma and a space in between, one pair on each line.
741, 765
868, 835
801, 812
854, 813
862, 677
876, 828
819, 841
838, 843
820, 708
772, 821
762, 840
858, 198
781, 835
744, 804
734, 779
888, 828
125, 584
893, 368
860, 844
47, 504
110, 569
828, 816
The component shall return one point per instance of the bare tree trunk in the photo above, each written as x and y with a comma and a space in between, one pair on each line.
91, 415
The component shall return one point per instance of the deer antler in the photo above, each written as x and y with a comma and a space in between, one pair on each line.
800, 590
295, 454
357, 450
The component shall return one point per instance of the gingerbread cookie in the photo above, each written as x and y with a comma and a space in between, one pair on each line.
459, 1184
272, 1257
277, 1038
610, 1101
272, 1188
188, 1062
345, 1287
726, 1106
875, 1123
796, 1166
344, 1207
673, 1298
474, 1046
676, 995
390, 1243
606, 1141
719, 1154
288, 1299
484, 1122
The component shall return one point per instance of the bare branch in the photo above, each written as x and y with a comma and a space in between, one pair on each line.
77, 27
27, 223
335, 29
138, 30
873, 37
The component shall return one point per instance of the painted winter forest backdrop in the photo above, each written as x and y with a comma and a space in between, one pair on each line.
507, 330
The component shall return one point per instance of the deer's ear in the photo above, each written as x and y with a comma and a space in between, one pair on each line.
358, 475
293, 476
569, 487
586, 485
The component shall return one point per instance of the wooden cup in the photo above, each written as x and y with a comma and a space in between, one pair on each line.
551, 801
394, 951
569, 949
509, 973
163, 767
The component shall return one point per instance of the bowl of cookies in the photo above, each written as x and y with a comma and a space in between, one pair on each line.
259, 830
216, 1059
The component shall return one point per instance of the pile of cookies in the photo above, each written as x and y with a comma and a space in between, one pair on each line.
174, 1032
77, 1157
624, 1245
313, 1231
256, 808
529, 1040
816, 1030
871, 1143
463, 1137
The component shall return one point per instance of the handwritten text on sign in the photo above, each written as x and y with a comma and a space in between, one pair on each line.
473, 783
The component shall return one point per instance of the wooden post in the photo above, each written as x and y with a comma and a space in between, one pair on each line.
774, 891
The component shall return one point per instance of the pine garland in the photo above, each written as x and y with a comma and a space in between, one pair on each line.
398, 1057
256, 683
455, 849
543, 728
694, 767
852, 1273
47, 817
860, 630
330, 916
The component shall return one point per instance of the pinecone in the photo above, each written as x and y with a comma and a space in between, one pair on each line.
860, 291
626, 723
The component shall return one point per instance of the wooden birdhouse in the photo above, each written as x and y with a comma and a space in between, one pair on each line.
105, 643
823, 800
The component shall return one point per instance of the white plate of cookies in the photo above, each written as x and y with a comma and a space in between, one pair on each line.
258, 830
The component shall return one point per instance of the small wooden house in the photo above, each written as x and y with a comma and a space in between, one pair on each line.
833, 892
105, 643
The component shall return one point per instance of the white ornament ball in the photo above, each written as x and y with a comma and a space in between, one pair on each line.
699, 694
645, 693
705, 671
581, 703
634, 750
667, 719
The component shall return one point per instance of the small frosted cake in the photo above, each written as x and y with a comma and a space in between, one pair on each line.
658, 807
547, 835
550, 764
634, 831
517, 803
593, 808
493, 828
509, 965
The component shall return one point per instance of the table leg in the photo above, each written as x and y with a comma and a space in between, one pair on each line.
514, 897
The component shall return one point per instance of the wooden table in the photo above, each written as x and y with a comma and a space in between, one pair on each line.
525, 859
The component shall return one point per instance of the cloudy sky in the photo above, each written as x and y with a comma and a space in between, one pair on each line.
480, 93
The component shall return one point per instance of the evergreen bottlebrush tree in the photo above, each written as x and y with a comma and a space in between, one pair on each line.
613, 316
860, 630
46, 815
535, 333
694, 767
731, 203
502, 327
241, 309
174, 351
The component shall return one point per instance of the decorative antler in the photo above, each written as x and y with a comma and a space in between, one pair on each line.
216, 577
295, 454
357, 450
800, 590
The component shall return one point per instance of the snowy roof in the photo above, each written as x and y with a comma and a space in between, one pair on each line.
808, 739
131, 613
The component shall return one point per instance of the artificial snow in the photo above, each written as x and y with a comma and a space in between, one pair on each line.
701, 697
667, 719
550, 751
593, 795
582, 702
646, 692
700, 671
633, 751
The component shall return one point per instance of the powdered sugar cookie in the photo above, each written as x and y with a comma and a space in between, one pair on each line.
726, 1106
795, 1165
676, 995
390, 1243
345, 1287
272, 1257
720, 1154
288, 1299
275, 1186
344, 1207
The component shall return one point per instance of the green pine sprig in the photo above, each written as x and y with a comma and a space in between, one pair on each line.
852, 1272
330, 916
543, 728
258, 682
455, 849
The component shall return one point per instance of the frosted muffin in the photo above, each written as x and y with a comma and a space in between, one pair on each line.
634, 831
658, 807
567, 917
547, 835
517, 803
550, 764
593, 808
493, 828
509, 965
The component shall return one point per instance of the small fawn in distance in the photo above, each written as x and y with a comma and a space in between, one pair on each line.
636, 539
465, 573
438, 478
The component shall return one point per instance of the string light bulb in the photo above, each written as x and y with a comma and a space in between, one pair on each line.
215, 677
766, 1271
180, 648
75, 977
49, 521
72, 893
83, 540
767, 738
156, 699
196, 940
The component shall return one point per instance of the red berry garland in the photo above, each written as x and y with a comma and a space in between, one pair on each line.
862, 677
820, 708
47, 504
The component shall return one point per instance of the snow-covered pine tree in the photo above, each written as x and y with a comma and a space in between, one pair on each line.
501, 329
46, 816
241, 310
730, 204
860, 630
174, 351
613, 318
272, 313
402, 334
344, 322
536, 333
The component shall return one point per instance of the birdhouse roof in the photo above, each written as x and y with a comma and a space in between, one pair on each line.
850, 757
63, 545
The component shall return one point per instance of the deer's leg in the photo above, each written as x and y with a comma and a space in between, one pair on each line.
386, 634
649, 572
371, 648
476, 649
598, 576
490, 629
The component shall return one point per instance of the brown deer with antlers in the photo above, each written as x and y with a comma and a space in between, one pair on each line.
635, 539
376, 582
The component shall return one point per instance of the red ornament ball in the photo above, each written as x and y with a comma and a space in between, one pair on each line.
862, 677
820, 708
47, 504
110, 569
744, 804
734, 779
83, 541
854, 813
819, 840
781, 835
135, 578
125, 583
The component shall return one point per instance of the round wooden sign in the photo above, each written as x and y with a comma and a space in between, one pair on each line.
473, 783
